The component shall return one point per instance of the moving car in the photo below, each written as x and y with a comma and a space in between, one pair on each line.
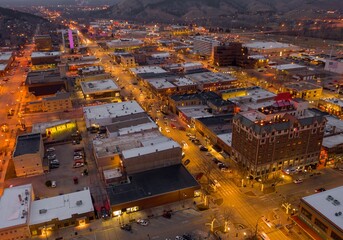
167, 130
126, 227
298, 181
51, 149
202, 148
186, 162
78, 165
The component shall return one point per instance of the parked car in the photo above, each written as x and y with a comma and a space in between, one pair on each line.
320, 190
55, 161
186, 162
126, 227
298, 181
78, 165
104, 213
215, 160
78, 157
202, 148
51, 149
143, 222
53, 184
167, 130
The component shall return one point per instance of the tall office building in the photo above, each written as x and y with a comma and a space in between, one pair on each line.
284, 136
70, 40
204, 45
230, 54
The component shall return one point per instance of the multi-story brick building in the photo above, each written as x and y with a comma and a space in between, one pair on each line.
231, 54
282, 136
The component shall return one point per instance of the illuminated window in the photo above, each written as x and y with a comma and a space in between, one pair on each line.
132, 209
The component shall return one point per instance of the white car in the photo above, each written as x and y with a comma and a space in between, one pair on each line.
78, 157
167, 130
53, 184
298, 181
143, 222
51, 149
216, 183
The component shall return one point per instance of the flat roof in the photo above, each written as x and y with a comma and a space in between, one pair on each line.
3, 67
104, 85
289, 66
90, 69
333, 123
41, 127
13, 212
301, 86
226, 138
61, 207
44, 54
112, 173
335, 101
152, 183
328, 203
112, 110
269, 45
183, 81
160, 83
147, 69
197, 111
332, 141
150, 149
137, 128
27, 144
161, 55
5, 56
210, 77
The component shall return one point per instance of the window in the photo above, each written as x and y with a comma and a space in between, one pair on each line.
321, 225
306, 213
335, 236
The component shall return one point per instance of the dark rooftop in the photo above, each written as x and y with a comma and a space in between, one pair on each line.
27, 144
205, 96
152, 183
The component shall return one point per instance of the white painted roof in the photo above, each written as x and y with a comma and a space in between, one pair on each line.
104, 85
226, 138
161, 55
147, 69
335, 101
12, 209
258, 57
112, 173
160, 83
61, 206
44, 54
332, 141
326, 207
112, 110
183, 81
211, 77
269, 45
5, 56
41, 127
149, 149
197, 111
137, 128
3, 67
287, 66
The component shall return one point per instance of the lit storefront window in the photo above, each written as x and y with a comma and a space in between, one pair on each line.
116, 213
132, 209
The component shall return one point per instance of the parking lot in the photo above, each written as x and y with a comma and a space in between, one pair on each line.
63, 175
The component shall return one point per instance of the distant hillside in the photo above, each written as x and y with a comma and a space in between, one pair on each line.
18, 27
212, 11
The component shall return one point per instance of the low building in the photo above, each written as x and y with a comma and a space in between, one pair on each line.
90, 71
43, 43
50, 214
184, 85
15, 206
61, 101
321, 214
152, 188
88, 78
335, 66
161, 86
148, 72
6, 59
41, 83
331, 105
127, 60
204, 45
210, 81
28, 155
101, 89
150, 157
124, 43
43, 58
271, 48
305, 90
102, 115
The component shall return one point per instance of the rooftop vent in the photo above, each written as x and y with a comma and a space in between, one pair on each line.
41, 211
337, 214
79, 203
336, 202
329, 198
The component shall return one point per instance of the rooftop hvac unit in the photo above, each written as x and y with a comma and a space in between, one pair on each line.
79, 203
41, 211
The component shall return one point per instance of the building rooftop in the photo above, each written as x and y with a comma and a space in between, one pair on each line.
269, 45
104, 85
3, 67
205, 96
226, 138
90, 69
161, 55
147, 69
61, 207
335, 101
328, 204
160, 83
112, 173
15, 206
301, 86
5, 56
290, 66
58, 96
41, 127
332, 141
152, 183
197, 111
112, 110
210, 77
182, 81
150, 149
27, 144
44, 54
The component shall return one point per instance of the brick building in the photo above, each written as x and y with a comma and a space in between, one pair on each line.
284, 135
230, 54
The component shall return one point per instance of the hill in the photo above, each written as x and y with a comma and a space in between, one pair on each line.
219, 11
